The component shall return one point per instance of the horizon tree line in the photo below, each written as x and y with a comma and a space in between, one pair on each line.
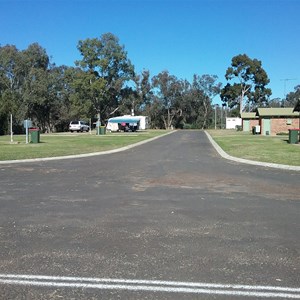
103, 84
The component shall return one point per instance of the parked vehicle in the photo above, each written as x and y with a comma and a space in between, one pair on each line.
79, 126
128, 123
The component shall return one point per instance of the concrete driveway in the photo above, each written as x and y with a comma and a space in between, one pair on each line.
169, 219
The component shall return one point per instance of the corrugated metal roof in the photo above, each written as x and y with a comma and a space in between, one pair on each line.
276, 112
248, 115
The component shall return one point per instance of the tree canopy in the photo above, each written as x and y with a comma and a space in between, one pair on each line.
104, 83
249, 83
105, 68
293, 97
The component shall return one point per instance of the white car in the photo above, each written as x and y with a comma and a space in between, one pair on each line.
79, 126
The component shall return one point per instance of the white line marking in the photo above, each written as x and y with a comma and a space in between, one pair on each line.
152, 286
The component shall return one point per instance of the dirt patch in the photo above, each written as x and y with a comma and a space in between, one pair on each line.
222, 184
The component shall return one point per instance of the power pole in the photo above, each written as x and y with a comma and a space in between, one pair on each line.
216, 105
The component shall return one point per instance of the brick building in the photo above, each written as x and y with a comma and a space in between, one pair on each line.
249, 120
277, 120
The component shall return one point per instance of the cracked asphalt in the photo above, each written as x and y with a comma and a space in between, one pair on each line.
171, 209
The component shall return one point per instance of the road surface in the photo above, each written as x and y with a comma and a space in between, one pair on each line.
169, 219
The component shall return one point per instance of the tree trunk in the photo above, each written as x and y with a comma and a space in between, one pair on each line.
244, 91
165, 122
205, 114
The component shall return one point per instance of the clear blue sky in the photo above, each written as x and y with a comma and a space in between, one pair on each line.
185, 37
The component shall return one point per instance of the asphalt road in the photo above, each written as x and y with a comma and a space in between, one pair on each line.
169, 219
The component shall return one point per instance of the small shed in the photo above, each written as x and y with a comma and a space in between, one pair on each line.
275, 120
249, 120
232, 123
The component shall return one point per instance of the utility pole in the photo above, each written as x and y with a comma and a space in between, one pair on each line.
216, 105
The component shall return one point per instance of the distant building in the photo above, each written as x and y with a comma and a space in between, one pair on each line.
232, 123
250, 120
277, 119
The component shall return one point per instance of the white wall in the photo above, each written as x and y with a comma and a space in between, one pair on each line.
143, 122
231, 123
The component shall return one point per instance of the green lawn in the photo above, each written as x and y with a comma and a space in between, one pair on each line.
62, 144
235, 143
272, 149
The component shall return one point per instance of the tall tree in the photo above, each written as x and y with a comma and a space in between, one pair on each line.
36, 86
205, 88
250, 82
48, 99
106, 69
18, 70
12, 74
276, 102
293, 97
169, 92
142, 92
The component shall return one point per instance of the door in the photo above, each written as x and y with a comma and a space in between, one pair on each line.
266, 130
246, 125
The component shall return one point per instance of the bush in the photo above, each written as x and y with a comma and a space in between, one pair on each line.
190, 126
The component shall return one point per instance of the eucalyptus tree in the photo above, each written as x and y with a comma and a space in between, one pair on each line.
129, 100
276, 102
145, 88
42, 88
56, 108
204, 89
155, 112
293, 97
249, 82
105, 71
186, 113
143, 92
19, 71
12, 74
168, 90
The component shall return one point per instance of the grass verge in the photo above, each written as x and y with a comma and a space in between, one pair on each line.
62, 144
271, 149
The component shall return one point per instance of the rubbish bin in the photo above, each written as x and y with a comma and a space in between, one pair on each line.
256, 129
34, 135
294, 136
101, 130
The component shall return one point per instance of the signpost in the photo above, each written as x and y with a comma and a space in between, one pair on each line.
11, 129
27, 124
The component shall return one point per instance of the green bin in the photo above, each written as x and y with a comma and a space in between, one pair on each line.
101, 130
294, 136
34, 135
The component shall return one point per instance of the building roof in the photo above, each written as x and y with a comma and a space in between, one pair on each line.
276, 112
297, 107
248, 115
